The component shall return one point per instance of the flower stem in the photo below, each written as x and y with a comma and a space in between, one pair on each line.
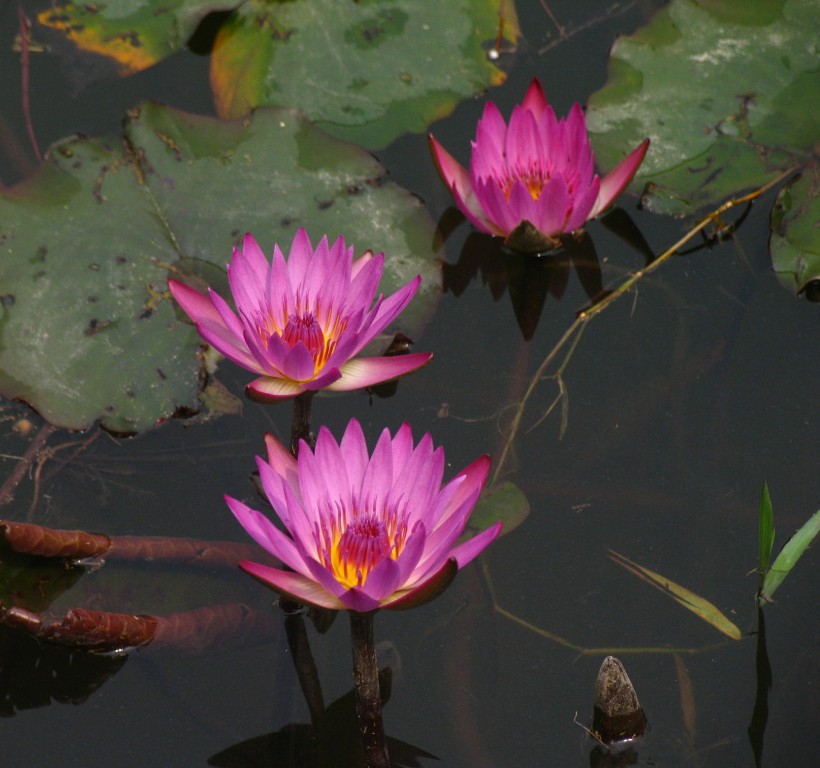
368, 696
300, 427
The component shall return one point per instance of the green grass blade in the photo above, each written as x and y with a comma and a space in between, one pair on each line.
765, 531
792, 551
689, 600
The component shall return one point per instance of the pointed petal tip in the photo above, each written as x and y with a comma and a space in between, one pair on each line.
619, 178
535, 99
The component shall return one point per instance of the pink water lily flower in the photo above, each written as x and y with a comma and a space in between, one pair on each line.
532, 181
364, 532
301, 322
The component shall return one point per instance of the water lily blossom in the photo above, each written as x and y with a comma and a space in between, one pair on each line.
533, 180
364, 532
301, 321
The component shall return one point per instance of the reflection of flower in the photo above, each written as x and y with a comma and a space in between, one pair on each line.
301, 321
364, 532
534, 180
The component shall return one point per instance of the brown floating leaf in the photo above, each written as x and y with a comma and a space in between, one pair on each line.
100, 631
20, 618
618, 715
210, 628
30, 539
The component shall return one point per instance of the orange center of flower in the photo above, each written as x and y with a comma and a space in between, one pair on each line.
535, 179
351, 550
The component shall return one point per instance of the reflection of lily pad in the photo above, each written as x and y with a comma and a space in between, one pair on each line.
727, 91
367, 71
86, 332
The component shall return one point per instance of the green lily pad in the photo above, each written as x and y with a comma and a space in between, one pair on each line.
726, 90
135, 34
366, 71
505, 502
87, 331
794, 244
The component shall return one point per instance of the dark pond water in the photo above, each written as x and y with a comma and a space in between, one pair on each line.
682, 399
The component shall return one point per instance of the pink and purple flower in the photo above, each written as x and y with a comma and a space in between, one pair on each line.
533, 181
300, 322
364, 532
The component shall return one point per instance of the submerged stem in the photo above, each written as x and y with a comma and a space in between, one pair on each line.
300, 427
368, 696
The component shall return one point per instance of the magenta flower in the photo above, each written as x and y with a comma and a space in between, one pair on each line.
301, 321
535, 180
364, 532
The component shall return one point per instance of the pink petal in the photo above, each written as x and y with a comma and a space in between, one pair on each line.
523, 142
618, 178
502, 216
368, 371
487, 158
248, 278
229, 318
418, 481
534, 99
354, 448
267, 389
582, 205
465, 552
357, 599
266, 534
280, 299
383, 580
221, 339
378, 477
360, 263
328, 376
427, 590
457, 181
197, 306
553, 207
361, 290
483, 221
281, 459
300, 257
298, 363
389, 309
294, 585
274, 486
474, 478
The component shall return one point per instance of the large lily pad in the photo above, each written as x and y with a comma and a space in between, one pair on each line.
86, 330
368, 71
727, 91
